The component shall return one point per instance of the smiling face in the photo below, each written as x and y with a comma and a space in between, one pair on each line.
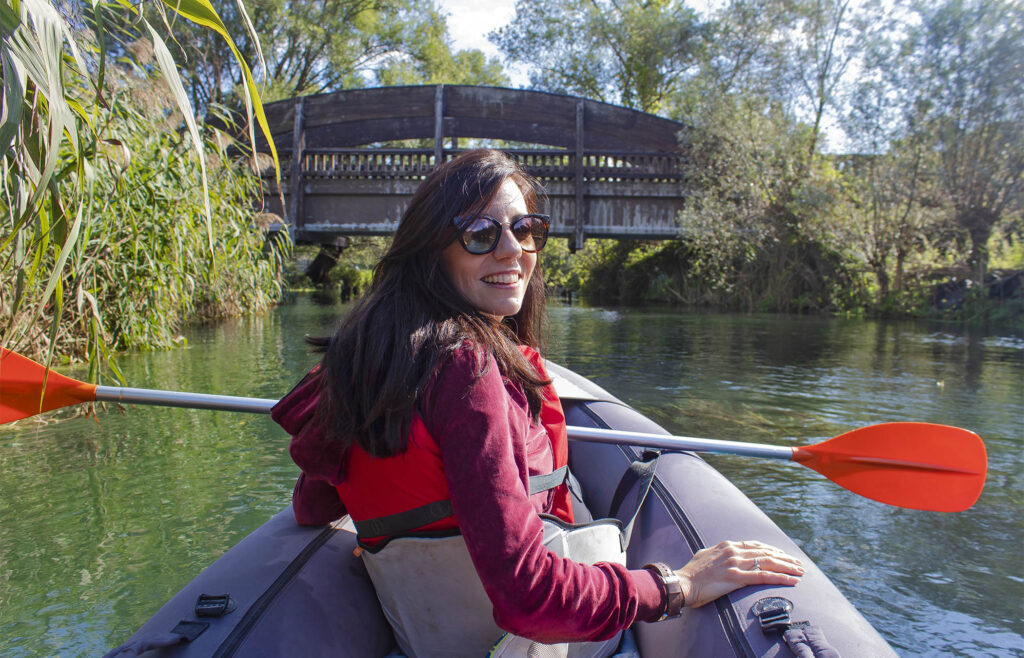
494, 283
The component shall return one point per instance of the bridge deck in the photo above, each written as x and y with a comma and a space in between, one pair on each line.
626, 188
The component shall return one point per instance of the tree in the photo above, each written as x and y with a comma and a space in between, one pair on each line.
760, 219
966, 61
821, 51
312, 46
743, 54
429, 60
887, 219
630, 52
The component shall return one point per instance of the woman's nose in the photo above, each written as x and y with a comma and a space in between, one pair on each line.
508, 245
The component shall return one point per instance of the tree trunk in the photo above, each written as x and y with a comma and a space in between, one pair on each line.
901, 257
883, 284
979, 223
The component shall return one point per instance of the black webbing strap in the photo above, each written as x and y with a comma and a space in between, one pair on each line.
185, 631
809, 642
541, 483
396, 524
638, 478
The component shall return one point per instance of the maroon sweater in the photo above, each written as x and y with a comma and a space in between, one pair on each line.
481, 425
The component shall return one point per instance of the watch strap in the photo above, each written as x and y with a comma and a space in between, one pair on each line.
673, 589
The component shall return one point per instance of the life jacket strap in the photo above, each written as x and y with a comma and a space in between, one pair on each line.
542, 483
417, 517
632, 491
396, 524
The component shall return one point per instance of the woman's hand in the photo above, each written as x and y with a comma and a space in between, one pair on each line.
730, 565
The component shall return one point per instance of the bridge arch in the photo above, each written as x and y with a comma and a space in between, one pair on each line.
610, 171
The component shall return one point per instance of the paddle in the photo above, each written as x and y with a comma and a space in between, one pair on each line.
916, 465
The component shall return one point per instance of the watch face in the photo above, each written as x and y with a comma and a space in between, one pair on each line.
773, 605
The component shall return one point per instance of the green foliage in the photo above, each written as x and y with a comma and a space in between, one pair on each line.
632, 53
313, 47
441, 66
116, 226
316, 47
950, 81
352, 281
761, 220
143, 265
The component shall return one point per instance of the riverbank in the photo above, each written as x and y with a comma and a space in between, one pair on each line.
670, 273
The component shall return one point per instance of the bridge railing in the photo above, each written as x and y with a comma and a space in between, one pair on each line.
553, 164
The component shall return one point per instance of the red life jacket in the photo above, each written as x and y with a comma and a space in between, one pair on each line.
383, 487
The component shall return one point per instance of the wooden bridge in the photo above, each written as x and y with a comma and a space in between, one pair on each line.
610, 172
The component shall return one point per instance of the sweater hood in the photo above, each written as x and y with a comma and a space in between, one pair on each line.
312, 449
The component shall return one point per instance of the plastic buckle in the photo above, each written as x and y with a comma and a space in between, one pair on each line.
214, 605
773, 614
649, 454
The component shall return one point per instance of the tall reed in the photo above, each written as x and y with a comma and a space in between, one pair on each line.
122, 217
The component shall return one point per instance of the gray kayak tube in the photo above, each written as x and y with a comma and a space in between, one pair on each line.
300, 591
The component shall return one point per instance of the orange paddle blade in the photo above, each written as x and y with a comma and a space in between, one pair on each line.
27, 388
917, 465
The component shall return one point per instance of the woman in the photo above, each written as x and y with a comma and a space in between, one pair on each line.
431, 411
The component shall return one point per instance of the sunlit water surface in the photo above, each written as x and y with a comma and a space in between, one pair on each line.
103, 519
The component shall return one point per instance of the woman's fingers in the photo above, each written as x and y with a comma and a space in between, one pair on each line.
775, 562
730, 565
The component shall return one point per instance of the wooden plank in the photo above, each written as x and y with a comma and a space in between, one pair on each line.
439, 126
361, 104
295, 177
371, 131
486, 112
499, 104
577, 239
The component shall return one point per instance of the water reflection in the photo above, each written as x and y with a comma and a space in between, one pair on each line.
102, 520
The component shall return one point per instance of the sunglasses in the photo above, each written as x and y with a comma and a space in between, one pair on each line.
480, 234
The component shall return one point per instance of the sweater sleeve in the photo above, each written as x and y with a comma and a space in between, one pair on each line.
475, 420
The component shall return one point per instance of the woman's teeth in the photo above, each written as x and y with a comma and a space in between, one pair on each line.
508, 277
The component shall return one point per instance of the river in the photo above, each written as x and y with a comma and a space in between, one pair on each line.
103, 519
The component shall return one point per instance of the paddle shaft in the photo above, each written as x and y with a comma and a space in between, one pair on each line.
182, 399
263, 406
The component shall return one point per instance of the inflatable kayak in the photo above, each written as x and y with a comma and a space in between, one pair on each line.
289, 590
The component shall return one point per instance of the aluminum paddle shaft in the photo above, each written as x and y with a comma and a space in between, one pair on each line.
183, 399
669, 442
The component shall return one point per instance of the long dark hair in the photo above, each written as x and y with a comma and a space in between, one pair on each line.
386, 349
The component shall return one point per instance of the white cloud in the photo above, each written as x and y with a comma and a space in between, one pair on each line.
470, 21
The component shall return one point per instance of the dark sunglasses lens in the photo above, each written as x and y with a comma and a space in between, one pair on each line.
531, 232
480, 235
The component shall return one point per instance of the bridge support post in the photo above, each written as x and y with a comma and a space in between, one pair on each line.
295, 189
320, 267
439, 126
581, 209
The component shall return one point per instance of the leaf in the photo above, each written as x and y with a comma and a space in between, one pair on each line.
38, 45
58, 267
10, 18
203, 13
13, 100
170, 73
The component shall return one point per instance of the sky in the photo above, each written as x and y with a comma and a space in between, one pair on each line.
469, 23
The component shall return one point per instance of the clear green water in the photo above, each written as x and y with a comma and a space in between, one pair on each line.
102, 520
